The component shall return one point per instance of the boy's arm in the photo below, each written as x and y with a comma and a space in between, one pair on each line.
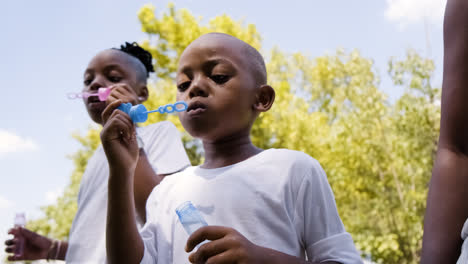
229, 246
164, 150
145, 180
123, 242
447, 202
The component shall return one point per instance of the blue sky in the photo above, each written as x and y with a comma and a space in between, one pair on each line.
46, 46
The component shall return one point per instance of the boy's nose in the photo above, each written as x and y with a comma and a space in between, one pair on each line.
198, 88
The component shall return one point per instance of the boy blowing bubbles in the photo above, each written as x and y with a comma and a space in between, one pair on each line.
263, 206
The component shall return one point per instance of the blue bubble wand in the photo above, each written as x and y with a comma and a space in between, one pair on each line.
138, 113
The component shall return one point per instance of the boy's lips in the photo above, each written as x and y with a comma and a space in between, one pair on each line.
196, 112
196, 108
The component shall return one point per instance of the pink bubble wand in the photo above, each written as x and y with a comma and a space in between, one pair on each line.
102, 94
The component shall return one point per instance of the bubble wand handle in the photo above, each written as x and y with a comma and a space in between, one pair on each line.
102, 93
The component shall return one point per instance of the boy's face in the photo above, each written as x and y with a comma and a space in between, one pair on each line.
107, 68
214, 79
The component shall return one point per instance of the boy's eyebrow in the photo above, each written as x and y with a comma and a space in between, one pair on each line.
218, 61
208, 63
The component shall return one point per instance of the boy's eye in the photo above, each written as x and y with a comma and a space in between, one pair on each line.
183, 86
219, 78
87, 82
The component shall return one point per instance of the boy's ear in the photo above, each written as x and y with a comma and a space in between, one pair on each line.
265, 98
143, 93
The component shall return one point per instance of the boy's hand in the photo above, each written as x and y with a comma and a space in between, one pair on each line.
124, 93
35, 246
118, 138
226, 246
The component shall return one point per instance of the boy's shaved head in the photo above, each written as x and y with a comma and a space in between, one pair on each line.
253, 58
223, 80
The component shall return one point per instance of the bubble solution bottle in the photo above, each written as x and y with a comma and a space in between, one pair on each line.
191, 219
20, 221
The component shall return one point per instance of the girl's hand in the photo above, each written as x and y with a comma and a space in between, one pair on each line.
226, 246
118, 139
124, 93
35, 246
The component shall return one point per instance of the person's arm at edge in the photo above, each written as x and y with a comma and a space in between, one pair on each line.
35, 246
447, 208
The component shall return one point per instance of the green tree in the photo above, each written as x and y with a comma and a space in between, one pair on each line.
378, 154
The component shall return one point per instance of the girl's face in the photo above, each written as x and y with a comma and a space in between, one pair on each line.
107, 68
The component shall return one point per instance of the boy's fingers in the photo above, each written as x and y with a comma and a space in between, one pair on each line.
109, 109
126, 120
208, 250
120, 115
125, 125
9, 242
205, 233
119, 126
222, 258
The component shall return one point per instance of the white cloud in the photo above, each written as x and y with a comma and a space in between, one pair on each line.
5, 203
51, 196
10, 143
406, 12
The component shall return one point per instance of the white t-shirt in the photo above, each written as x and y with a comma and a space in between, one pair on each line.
279, 199
166, 154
